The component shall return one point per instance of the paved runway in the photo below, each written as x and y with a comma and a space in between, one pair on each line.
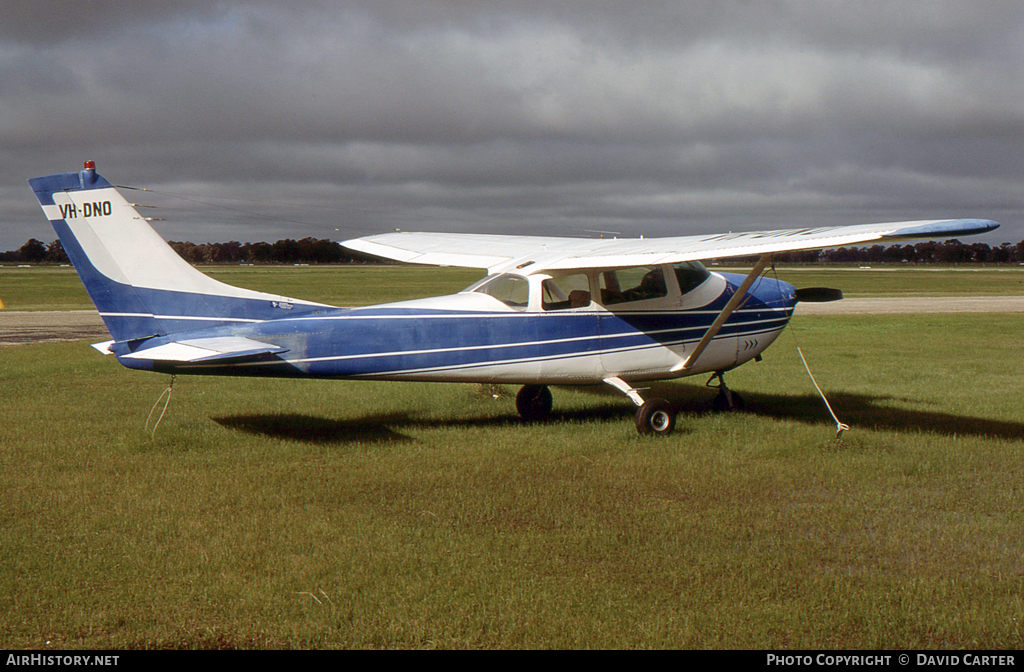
18, 327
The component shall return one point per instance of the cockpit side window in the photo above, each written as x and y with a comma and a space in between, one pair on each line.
690, 275
567, 291
626, 285
512, 290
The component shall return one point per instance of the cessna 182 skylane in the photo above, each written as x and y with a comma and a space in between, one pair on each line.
562, 311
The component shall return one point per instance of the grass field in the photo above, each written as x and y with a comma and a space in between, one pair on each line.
335, 514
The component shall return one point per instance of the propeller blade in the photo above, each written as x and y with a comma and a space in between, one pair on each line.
818, 294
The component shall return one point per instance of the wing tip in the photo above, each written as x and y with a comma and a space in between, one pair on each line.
947, 227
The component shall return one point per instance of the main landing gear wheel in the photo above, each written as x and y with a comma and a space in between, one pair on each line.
655, 417
534, 403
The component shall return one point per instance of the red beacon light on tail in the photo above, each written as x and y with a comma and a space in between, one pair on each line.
88, 174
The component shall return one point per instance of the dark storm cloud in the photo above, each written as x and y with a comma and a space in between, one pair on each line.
558, 117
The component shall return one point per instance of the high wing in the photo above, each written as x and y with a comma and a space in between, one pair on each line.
499, 253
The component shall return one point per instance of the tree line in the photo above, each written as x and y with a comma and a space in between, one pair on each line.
317, 251
929, 252
305, 251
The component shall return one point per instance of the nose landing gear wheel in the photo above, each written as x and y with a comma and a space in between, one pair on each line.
726, 400
655, 417
534, 403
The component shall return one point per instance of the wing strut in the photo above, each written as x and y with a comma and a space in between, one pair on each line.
730, 308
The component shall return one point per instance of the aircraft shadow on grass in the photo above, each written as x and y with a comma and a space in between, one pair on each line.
860, 411
312, 429
870, 412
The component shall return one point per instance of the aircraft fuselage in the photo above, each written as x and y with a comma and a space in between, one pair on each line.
467, 337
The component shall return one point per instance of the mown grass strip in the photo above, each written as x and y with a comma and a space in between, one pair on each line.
369, 514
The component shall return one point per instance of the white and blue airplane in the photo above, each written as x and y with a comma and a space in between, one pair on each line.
550, 311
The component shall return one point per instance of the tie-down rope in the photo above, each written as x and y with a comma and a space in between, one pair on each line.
170, 388
840, 426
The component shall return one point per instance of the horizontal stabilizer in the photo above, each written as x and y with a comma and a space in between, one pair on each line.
203, 350
104, 347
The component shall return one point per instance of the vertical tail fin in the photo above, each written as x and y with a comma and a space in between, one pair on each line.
140, 286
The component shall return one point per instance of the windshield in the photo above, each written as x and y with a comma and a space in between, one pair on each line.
690, 275
512, 290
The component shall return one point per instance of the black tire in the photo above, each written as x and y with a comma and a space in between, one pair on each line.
534, 403
721, 403
656, 417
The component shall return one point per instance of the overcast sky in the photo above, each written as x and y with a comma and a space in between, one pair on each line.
266, 120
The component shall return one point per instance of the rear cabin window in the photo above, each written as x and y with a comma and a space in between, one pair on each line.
626, 285
512, 290
568, 291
